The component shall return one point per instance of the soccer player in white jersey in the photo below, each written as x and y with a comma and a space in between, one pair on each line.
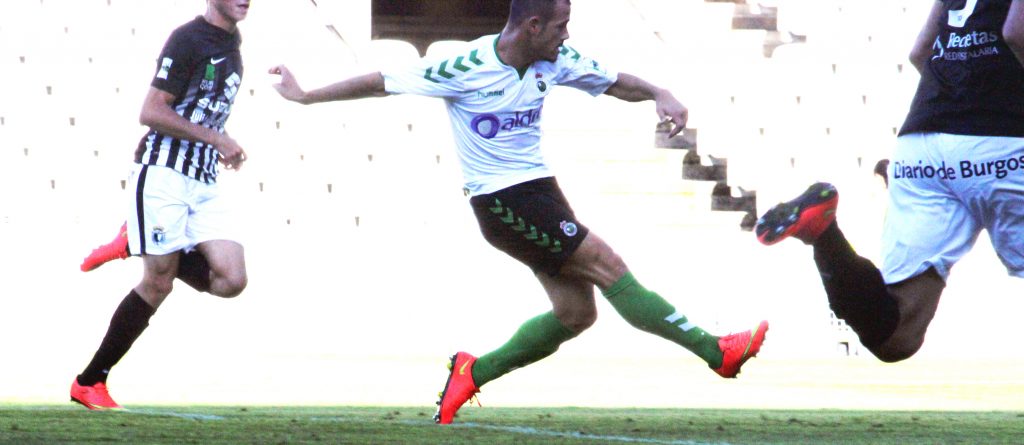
176, 206
958, 169
494, 90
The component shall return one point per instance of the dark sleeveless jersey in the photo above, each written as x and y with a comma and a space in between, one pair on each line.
202, 67
973, 84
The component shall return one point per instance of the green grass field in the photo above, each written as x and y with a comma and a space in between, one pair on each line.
33, 424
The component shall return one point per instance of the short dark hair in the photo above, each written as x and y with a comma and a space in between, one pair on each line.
522, 9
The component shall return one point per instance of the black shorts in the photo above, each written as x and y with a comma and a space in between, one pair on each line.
532, 222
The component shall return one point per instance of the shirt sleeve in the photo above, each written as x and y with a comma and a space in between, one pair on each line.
583, 73
174, 66
427, 77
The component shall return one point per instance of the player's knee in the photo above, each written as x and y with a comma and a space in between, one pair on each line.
608, 259
577, 319
231, 285
897, 349
158, 287
583, 322
607, 265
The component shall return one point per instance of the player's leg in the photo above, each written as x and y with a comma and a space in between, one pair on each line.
890, 320
927, 230
986, 192
217, 264
225, 274
855, 288
596, 262
130, 319
532, 223
156, 228
934, 217
573, 311
193, 269
918, 299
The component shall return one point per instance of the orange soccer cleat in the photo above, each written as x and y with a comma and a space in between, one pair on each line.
803, 218
738, 348
459, 388
114, 250
94, 397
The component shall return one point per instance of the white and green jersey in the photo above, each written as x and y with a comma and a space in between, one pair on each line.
495, 110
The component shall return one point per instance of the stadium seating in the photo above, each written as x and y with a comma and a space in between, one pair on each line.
76, 72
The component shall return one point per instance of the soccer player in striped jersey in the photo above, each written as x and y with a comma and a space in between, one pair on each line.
957, 169
176, 206
494, 90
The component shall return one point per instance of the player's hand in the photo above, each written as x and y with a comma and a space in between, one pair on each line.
672, 111
231, 154
288, 87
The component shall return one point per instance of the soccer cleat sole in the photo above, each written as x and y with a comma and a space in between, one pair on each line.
783, 220
440, 395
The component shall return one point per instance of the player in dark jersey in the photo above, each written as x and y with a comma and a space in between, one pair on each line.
176, 206
958, 168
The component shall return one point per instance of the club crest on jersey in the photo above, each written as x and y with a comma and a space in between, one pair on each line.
568, 228
209, 78
158, 234
542, 86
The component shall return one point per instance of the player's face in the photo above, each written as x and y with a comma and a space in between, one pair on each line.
554, 32
232, 11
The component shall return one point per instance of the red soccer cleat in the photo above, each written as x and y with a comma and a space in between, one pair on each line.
738, 348
803, 218
459, 388
114, 250
94, 397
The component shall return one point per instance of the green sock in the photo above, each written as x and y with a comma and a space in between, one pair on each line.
647, 311
539, 337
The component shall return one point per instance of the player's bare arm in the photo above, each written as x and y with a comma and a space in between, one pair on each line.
1013, 29
359, 87
922, 50
634, 89
158, 114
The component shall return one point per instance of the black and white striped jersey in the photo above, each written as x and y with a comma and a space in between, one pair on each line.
202, 67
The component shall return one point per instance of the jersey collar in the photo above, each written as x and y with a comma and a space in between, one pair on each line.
522, 73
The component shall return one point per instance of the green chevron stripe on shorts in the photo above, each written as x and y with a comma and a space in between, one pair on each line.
529, 231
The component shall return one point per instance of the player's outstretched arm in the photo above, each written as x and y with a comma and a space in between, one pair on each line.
158, 113
359, 87
1013, 29
634, 89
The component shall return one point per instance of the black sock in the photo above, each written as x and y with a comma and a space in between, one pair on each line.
129, 320
194, 270
855, 288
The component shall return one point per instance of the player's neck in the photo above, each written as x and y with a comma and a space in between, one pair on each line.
511, 49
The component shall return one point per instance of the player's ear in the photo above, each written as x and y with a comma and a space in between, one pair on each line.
534, 25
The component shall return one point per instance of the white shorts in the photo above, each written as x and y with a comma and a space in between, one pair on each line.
943, 190
172, 212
